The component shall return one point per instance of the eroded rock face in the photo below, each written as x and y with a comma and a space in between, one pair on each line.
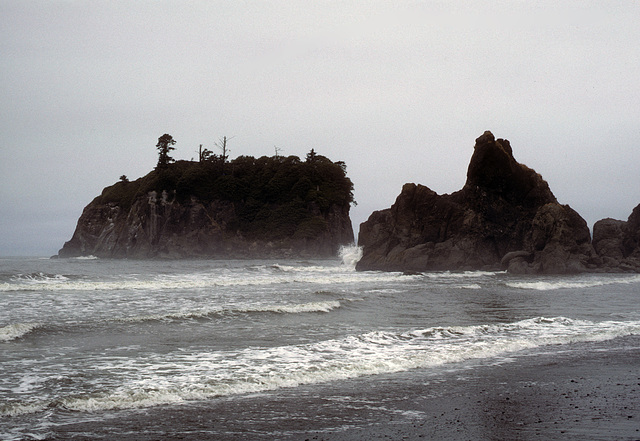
559, 242
505, 216
632, 234
158, 226
618, 242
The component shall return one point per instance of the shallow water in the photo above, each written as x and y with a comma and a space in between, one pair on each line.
86, 340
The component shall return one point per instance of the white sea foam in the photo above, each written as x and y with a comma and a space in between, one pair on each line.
180, 376
461, 275
544, 285
39, 277
16, 330
350, 255
238, 309
294, 308
284, 275
17, 408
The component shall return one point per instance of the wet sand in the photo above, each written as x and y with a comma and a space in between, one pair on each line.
553, 396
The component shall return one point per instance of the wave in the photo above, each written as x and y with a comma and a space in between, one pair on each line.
293, 309
17, 330
312, 307
471, 286
178, 377
462, 274
546, 285
39, 277
272, 275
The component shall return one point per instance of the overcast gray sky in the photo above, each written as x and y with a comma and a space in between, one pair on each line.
398, 90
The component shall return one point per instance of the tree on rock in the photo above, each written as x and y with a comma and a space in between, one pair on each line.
165, 145
222, 145
204, 155
311, 156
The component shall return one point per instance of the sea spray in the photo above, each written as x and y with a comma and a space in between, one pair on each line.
350, 255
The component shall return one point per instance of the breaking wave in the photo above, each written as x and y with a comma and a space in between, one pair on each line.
264, 275
17, 330
471, 286
461, 275
177, 377
39, 278
312, 307
20, 330
543, 285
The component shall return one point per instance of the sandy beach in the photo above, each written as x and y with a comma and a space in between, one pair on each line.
570, 397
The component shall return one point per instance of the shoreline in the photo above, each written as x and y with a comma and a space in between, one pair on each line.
584, 391
547, 397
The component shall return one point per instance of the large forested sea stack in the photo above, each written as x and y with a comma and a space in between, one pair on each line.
505, 216
243, 208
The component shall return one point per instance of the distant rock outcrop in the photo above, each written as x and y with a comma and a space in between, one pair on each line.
618, 242
505, 216
246, 208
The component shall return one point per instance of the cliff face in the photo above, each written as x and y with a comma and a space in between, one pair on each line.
187, 220
505, 216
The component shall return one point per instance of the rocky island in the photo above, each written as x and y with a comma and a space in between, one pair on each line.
243, 208
505, 217
618, 242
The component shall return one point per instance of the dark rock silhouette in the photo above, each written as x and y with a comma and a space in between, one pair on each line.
505, 216
618, 242
267, 207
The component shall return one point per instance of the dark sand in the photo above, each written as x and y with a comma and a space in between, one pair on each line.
576, 395
571, 397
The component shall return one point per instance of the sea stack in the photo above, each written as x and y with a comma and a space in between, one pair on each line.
247, 208
618, 243
505, 217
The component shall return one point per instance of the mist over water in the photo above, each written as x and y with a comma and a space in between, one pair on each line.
83, 338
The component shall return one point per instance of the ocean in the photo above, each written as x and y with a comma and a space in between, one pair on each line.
271, 349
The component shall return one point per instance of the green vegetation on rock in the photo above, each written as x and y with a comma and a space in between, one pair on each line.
273, 197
